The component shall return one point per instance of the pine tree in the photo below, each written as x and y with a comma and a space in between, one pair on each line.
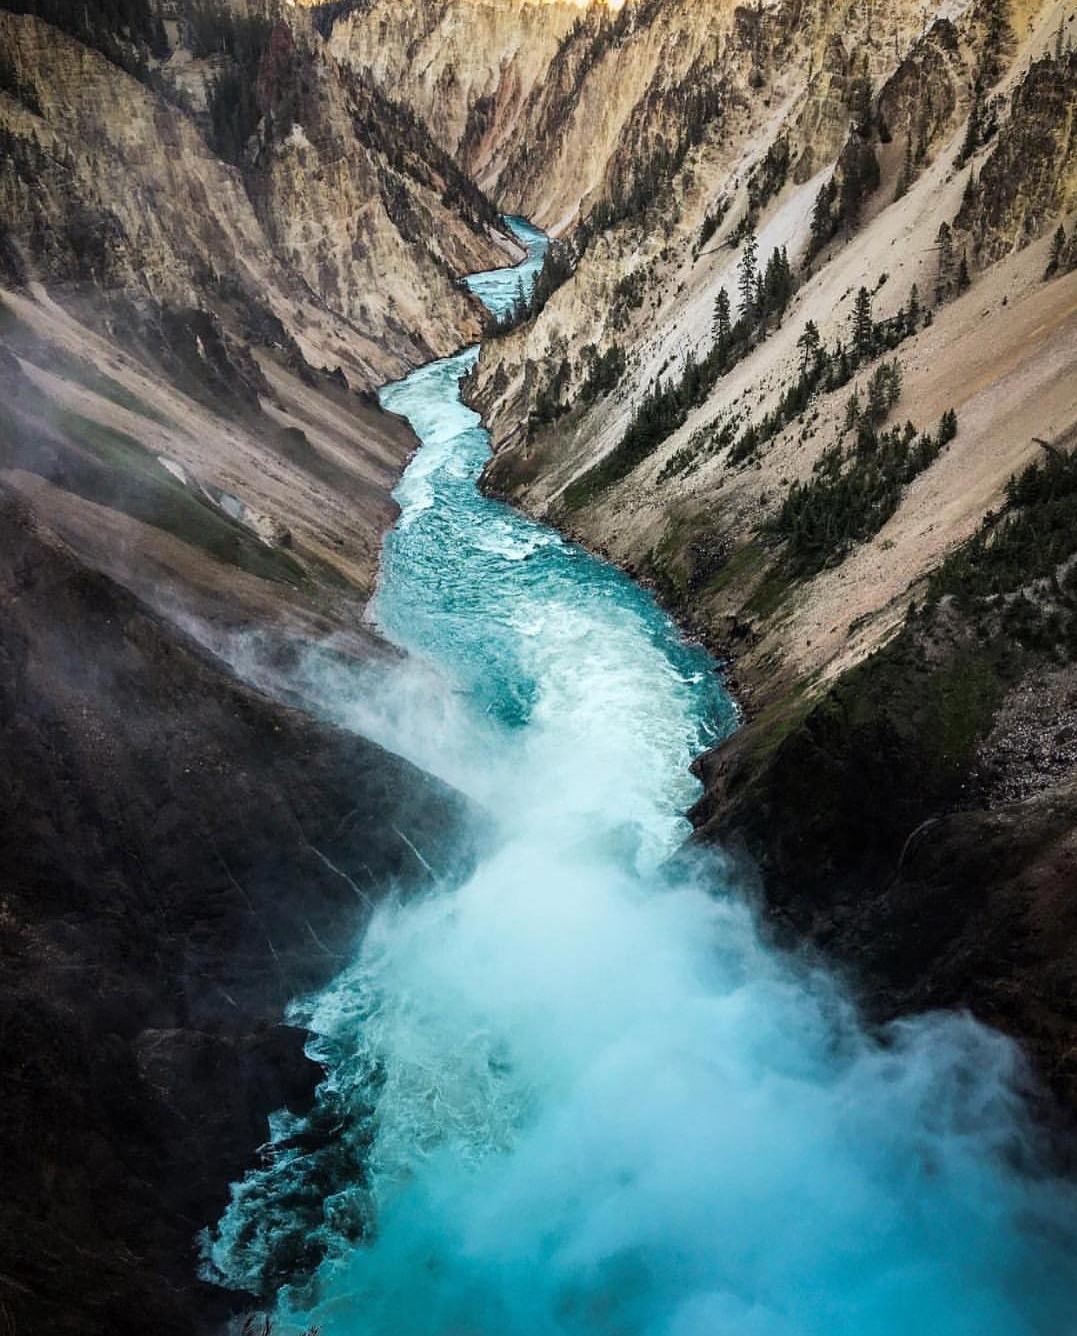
895, 381
810, 345
1058, 248
964, 278
822, 221
947, 427
723, 321
913, 310
878, 396
778, 283
519, 312
998, 30
972, 138
747, 276
863, 325
944, 279
785, 277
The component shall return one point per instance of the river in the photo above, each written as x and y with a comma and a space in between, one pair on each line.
572, 1094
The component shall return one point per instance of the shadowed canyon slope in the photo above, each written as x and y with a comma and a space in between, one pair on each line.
181, 857
213, 246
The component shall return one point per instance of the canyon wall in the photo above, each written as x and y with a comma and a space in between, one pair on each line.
211, 253
215, 245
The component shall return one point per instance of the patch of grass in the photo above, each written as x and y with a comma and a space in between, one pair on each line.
771, 592
961, 705
773, 725
50, 356
746, 561
100, 382
142, 488
113, 469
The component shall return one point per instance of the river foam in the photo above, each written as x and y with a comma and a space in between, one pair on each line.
574, 1094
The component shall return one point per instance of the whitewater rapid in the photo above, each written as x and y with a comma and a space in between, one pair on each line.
571, 1094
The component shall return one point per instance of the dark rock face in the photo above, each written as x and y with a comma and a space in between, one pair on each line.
881, 842
1030, 178
180, 857
920, 101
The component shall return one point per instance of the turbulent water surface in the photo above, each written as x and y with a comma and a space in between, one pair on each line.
573, 1094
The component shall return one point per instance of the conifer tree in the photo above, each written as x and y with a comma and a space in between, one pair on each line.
723, 320
748, 276
972, 138
1058, 248
810, 345
944, 280
863, 325
913, 309
822, 221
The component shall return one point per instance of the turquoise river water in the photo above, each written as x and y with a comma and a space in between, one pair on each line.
572, 1094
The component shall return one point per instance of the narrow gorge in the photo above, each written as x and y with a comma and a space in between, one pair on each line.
539, 758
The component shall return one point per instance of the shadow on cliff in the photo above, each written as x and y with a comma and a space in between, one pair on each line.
181, 858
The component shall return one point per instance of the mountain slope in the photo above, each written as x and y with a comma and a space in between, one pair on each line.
210, 254
205, 280
171, 843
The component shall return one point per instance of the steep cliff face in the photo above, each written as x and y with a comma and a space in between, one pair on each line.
469, 70
1029, 179
107, 182
727, 111
649, 286
561, 107
359, 202
200, 302
178, 858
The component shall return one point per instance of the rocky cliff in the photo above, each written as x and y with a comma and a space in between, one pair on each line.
306, 191
470, 71
205, 279
222, 225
